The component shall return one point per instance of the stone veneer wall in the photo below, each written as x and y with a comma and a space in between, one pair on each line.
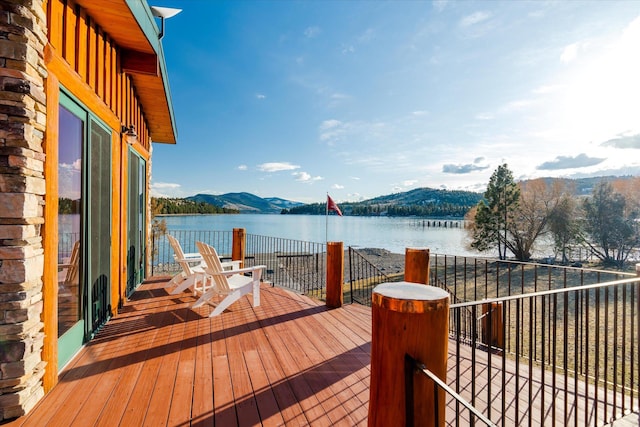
23, 36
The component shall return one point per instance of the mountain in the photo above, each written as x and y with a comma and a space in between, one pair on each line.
426, 196
246, 202
417, 202
282, 203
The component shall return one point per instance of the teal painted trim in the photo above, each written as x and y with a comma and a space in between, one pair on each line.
70, 343
142, 14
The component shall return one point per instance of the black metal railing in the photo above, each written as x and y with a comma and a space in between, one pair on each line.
554, 357
413, 366
362, 276
293, 264
473, 279
162, 261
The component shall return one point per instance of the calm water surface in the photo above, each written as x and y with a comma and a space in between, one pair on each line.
393, 234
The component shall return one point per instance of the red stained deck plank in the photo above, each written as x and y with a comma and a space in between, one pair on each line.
290, 361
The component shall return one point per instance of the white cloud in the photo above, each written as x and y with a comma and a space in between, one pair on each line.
419, 113
484, 116
337, 187
474, 18
331, 130
260, 96
571, 162
569, 53
277, 167
305, 177
166, 189
164, 185
242, 167
410, 182
330, 124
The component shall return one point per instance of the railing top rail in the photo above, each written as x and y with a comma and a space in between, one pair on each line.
548, 292
286, 238
422, 368
565, 267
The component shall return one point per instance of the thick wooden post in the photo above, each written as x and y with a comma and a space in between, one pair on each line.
408, 318
237, 250
335, 274
492, 325
416, 265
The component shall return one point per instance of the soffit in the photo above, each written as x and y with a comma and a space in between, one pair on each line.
131, 26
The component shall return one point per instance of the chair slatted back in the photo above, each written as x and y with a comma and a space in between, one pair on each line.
71, 278
177, 250
213, 265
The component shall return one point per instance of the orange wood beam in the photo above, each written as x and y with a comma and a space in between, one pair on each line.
140, 63
50, 236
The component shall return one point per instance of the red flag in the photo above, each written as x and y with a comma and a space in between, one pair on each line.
332, 206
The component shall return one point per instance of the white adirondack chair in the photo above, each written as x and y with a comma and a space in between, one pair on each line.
190, 275
230, 284
71, 276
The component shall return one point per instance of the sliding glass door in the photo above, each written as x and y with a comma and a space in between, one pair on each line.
84, 226
136, 247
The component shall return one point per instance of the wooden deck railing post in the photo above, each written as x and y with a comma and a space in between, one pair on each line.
492, 325
335, 274
238, 247
407, 318
416, 265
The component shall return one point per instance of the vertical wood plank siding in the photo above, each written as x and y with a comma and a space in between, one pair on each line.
92, 54
84, 59
81, 39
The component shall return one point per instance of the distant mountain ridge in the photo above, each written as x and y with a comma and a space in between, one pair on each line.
417, 202
246, 202
420, 201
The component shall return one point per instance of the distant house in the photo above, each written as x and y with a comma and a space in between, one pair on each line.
84, 93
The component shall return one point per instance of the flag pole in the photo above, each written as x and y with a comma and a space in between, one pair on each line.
326, 219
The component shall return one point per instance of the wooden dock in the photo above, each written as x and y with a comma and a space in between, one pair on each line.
290, 361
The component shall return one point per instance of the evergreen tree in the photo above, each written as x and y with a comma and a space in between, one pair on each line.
494, 211
611, 227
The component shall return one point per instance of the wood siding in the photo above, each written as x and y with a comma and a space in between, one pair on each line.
87, 61
96, 59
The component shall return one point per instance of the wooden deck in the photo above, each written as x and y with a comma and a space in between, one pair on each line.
290, 361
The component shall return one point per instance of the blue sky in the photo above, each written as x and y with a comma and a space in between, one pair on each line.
364, 98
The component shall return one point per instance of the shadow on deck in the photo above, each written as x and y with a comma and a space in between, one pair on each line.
290, 361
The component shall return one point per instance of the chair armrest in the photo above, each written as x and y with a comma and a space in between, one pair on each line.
241, 270
188, 259
235, 265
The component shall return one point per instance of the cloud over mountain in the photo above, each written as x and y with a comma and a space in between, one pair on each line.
568, 162
462, 169
628, 141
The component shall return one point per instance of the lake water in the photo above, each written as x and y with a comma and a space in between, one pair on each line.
393, 234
